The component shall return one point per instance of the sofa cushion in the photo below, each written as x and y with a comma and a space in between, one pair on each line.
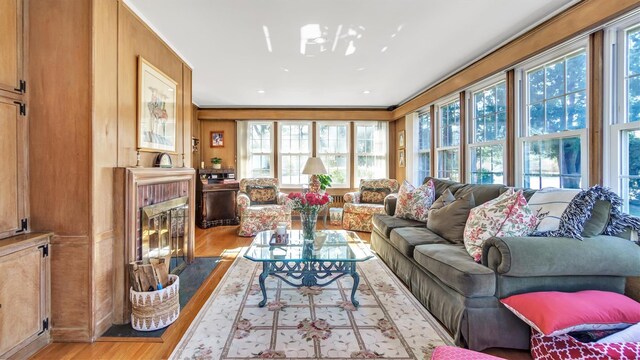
442, 185
262, 194
599, 219
406, 239
414, 203
445, 199
373, 195
385, 223
452, 265
481, 192
449, 221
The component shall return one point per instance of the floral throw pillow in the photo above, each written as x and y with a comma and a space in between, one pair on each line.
507, 215
373, 195
413, 203
262, 195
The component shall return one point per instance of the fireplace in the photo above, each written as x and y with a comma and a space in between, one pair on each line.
164, 231
155, 214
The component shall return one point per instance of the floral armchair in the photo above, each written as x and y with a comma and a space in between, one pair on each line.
360, 206
261, 205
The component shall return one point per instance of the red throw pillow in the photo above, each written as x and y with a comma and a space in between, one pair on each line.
554, 313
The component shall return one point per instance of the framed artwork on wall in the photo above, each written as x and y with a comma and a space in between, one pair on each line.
156, 109
216, 139
401, 139
401, 159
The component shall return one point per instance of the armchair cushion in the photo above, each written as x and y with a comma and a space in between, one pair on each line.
259, 182
373, 195
262, 194
352, 197
391, 184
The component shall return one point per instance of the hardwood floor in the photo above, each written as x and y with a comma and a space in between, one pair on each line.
220, 241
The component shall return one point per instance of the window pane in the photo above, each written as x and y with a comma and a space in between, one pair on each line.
371, 157
633, 52
424, 165
552, 163
535, 80
259, 144
486, 165
633, 99
501, 132
577, 110
501, 97
424, 131
563, 97
450, 124
448, 165
630, 174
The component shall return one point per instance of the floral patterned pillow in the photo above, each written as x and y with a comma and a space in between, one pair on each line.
262, 195
507, 215
414, 203
373, 195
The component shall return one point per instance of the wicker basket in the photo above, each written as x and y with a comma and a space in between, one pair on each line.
153, 310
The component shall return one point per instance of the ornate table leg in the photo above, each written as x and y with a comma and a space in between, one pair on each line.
261, 279
356, 281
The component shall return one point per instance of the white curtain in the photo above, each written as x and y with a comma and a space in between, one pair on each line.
242, 144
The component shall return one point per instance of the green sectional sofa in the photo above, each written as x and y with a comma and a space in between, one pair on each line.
464, 295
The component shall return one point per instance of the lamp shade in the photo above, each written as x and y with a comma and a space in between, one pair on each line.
314, 166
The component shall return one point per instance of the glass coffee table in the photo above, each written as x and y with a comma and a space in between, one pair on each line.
299, 263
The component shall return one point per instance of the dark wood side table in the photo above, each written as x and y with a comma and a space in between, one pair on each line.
216, 201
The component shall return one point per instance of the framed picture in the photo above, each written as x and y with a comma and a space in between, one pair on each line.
156, 109
216, 139
401, 139
401, 159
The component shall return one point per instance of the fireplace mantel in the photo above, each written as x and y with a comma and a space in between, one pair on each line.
126, 186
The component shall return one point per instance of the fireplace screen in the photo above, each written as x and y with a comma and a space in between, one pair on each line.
165, 227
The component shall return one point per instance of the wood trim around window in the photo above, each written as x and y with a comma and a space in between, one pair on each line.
595, 98
462, 156
510, 151
297, 114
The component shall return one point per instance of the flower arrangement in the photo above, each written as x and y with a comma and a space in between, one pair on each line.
308, 202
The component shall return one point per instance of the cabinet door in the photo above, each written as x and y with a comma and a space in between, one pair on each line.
12, 178
21, 313
11, 44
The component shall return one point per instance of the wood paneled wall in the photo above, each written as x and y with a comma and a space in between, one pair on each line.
82, 117
228, 152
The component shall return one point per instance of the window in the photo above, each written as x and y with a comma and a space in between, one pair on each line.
260, 155
424, 145
488, 134
625, 127
449, 140
553, 142
333, 148
295, 148
371, 151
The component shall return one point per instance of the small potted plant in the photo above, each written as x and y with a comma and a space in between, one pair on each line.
216, 162
325, 182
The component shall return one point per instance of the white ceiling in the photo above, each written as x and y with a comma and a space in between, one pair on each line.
400, 47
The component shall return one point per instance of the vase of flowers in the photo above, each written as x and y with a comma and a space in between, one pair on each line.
308, 206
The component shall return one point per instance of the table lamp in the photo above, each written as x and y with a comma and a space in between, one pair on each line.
313, 167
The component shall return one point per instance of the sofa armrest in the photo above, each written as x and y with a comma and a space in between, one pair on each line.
390, 204
553, 256
352, 197
243, 202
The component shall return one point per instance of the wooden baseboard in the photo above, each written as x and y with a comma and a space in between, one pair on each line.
70, 335
32, 348
102, 326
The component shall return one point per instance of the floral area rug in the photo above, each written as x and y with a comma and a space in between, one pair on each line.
311, 322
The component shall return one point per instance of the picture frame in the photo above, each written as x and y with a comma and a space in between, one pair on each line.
157, 109
401, 158
216, 138
401, 139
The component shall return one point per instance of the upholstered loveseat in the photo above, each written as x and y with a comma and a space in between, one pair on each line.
464, 295
261, 205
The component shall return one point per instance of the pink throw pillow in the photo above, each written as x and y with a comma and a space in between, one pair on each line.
414, 203
555, 313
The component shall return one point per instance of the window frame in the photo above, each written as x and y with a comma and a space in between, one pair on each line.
522, 125
437, 148
347, 124
492, 81
417, 151
271, 153
356, 153
281, 153
615, 104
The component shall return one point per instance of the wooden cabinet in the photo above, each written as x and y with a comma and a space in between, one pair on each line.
13, 180
24, 295
215, 199
11, 46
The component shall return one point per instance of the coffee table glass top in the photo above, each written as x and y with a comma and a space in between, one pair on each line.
339, 245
